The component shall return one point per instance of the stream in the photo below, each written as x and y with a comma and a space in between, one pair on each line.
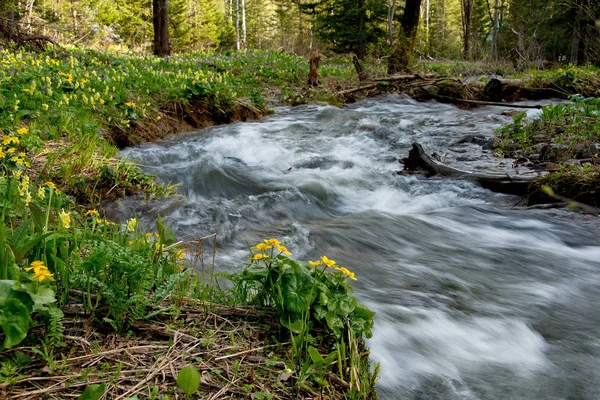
474, 299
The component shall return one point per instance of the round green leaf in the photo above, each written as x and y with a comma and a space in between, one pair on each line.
188, 380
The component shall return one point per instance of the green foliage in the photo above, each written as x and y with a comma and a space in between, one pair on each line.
93, 392
188, 380
308, 297
573, 123
305, 296
349, 25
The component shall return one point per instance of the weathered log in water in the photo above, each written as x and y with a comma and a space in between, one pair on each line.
419, 161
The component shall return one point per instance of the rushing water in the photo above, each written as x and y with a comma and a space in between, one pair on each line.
474, 300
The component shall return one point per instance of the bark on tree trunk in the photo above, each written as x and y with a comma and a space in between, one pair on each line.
360, 71
361, 51
244, 24
575, 40
390, 20
160, 20
403, 47
467, 9
237, 25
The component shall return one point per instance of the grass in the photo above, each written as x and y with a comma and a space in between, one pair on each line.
64, 265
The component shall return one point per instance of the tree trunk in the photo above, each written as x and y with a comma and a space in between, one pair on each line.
390, 20
160, 20
466, 11
403, 47
360, 71
575, 40
244, 24
237, 25
361, 51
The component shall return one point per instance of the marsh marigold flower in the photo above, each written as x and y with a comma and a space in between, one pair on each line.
283, 249
22, 131
132, 224
258, 257
328, 262
262, 247
65, 219
40, 271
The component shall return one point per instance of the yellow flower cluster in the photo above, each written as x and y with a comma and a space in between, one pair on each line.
333, 265
40, 271
272, 244
11, 151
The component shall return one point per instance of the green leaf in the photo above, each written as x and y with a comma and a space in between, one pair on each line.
93, 392
298, 290
334, 322
37, 215
14, 321
20, 249
293, 323
548, 190
315, 356
188, 380
41, 297
362, 311
166, 235
342, 303
10, 290
256, 271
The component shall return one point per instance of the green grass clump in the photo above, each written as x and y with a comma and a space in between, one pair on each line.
574, 123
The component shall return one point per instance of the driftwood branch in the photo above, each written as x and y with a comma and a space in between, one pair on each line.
489, 103
419, 161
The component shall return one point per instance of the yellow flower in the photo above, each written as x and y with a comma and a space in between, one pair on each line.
132, 224
328, 262
10, 139
44, 274
315, 263
27, 198
35, 266
45, 107
2, 153
257, 257
272, 242
50, 185
22, 131
262, 247
92, 213
40, 271
284, 250
42, 193
65, 219
346, 272
130, 104
180, 254
149, 235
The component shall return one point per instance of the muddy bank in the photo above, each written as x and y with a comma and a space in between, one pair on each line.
178, 117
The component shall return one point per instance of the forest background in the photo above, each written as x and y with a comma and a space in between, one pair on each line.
528, 33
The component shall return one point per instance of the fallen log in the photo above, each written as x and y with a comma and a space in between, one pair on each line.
383, 82
419, 161
490, 103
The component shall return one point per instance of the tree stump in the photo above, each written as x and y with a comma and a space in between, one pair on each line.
360, 71
313, 74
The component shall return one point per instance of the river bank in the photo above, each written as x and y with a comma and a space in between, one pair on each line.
474, 298
64, 264
65, 115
